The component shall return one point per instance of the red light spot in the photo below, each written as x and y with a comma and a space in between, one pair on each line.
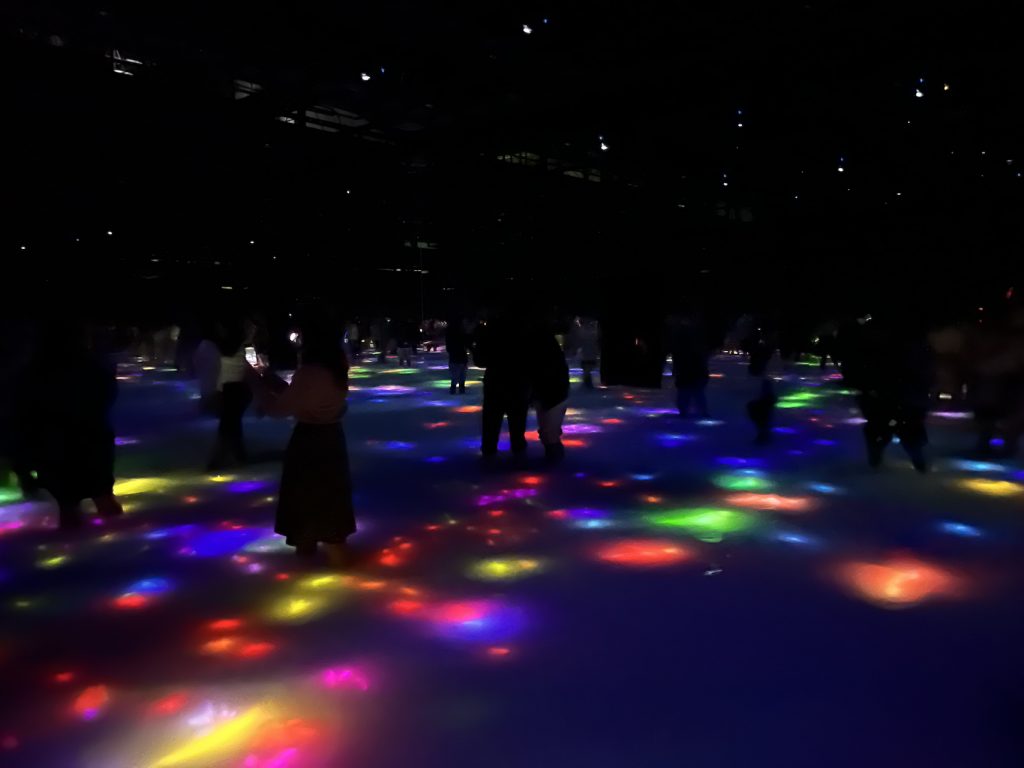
612, 421
130, 601
191, 499
436, 424
644, 552
169, 704
558, 514
574, 443
256, 650
496, 512
225, 625
9, 742
494, 532
498, 651
389, 558
406, 607
531, 480
282, 576
608, 483
432, 527
459, 613
405, 545
64, 677
91, 701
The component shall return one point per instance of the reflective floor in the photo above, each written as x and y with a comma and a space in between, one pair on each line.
670, 596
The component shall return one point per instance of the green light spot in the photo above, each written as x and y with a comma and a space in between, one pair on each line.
743, 481
704, 523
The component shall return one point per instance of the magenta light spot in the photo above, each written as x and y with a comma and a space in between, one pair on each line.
344, 677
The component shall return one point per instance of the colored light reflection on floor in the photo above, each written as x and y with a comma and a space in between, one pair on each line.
218, 744
505, 568
743, 480
899, 582
991, 487
704, 523
770, 501
91, 702
483, 621
137, 485
644, 553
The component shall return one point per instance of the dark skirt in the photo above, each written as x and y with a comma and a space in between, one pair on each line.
315, 502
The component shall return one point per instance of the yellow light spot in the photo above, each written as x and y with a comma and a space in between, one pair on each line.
504, 568
217, 745
222, 479
297, 608
135, 485
992, 487
322, 582
53, 562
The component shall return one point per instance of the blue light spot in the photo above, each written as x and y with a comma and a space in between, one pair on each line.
960, 529
978, 466
435, 459
823, 488
228, 542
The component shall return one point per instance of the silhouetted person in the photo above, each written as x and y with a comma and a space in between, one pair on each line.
315, 502
586, 339
456, 342
549, 385
406, 338
235, 397
760, 345
506, 385
64, 419
690, 367
887, 361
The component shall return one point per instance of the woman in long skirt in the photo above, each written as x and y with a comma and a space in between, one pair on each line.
315, 501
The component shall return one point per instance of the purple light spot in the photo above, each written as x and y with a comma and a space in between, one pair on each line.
247, 486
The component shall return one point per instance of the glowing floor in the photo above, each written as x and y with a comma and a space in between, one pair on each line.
670, 596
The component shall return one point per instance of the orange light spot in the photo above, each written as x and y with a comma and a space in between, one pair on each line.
899, 582
468, 409
769, 501
225, 625
574, 443
653, 499
372, 585
409, 591
218, 646
531, 480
